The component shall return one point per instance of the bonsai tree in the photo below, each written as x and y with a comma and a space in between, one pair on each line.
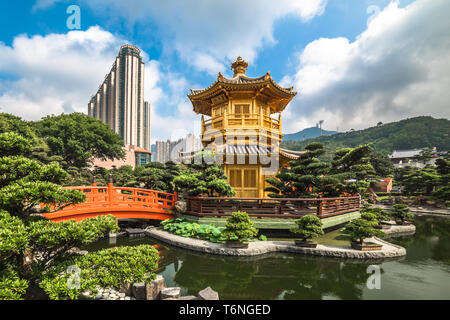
359, 229
370, 217
401, 212
308, 227
239, 227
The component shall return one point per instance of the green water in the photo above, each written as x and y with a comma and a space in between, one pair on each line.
423, 274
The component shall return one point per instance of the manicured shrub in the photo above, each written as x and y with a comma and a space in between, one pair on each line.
239, 227
308, 227
359, 229
401, 212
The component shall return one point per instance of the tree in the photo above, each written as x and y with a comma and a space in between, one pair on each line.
425, 156
305, 177
401, 212
308, 227
443, 186
78, 138
32, 246
239, 227
158, 176
102, 269
360, 229
375, 214
352, 168
381, 164
12, 143
203, 177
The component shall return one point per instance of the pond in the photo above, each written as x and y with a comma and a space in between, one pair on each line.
423, 274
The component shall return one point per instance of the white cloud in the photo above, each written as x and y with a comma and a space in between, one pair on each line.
54, 73
399, 67
208, 34
59, 73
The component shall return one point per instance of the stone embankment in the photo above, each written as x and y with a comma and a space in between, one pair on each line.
154, 290
388, 250
399, 230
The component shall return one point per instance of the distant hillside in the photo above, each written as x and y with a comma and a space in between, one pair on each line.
410, 133
307, 133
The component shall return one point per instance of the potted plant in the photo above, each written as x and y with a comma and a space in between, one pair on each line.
308, 227
360, 229
239, 230
401, 213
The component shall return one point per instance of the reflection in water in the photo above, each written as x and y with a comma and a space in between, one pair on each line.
423, 274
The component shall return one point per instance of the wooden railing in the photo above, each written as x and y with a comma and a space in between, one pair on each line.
290, 208
241, 121
116, 196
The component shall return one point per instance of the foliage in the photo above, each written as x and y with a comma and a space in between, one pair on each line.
359, 229
12, 287
158, 176
406, 134
12, 143
304, 178
350, 172
352, 169
443, 184
79, 138
203, 177
375, 214
239, 227
308, 227
182, 228
31, 247
381, 164
401, 212
25, 184
101, 269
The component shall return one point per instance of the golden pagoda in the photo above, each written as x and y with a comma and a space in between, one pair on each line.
241, 124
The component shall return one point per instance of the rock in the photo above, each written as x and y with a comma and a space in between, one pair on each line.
125, 288
87, 293
112, 235
121, 295
181, 206
208, 294
172, 292
98, 296
139, 291
127, 298
154, 287
134, 232
184, 298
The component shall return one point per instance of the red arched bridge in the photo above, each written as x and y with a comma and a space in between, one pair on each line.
123, 203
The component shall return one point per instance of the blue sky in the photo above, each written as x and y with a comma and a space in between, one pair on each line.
349, 72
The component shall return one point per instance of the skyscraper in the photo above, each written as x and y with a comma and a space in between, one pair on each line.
119, 101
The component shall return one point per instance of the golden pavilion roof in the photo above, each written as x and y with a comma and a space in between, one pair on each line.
264, 86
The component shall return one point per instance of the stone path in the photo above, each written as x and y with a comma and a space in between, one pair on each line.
388, 250
421, 210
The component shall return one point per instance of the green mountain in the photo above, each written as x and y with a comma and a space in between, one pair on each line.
419, 132
307, 133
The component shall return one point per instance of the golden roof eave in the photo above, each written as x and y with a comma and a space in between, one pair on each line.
200, 98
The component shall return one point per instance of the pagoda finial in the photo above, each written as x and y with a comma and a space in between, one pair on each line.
239, 66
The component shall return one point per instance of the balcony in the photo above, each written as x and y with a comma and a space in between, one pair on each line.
242, 121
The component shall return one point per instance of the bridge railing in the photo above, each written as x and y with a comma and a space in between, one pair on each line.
272, 207
122, 196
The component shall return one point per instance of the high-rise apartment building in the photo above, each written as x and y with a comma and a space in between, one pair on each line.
173, 150
119, 101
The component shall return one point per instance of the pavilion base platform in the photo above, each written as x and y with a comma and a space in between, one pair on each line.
277, 223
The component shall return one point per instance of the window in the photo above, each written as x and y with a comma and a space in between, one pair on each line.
250, 178
242, 109
235, 178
